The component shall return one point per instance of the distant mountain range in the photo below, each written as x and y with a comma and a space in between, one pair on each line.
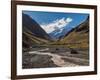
58, 28
57, 32
33, 34
78, 37
60, 32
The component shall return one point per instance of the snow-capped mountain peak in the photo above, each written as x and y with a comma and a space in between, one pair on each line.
56, 25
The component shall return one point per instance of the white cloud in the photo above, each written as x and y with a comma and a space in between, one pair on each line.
57, 24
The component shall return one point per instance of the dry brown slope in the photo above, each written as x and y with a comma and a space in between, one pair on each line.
78, 37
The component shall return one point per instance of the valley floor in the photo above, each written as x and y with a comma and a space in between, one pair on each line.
50, 57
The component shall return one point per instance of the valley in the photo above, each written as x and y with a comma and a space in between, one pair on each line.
40, 50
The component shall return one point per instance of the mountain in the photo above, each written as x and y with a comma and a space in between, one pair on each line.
78, 37
32, 26
32, 32
81, 27
58, 28
60, 32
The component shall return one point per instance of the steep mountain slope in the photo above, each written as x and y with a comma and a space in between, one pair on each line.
33, 34
31, 25
79, 36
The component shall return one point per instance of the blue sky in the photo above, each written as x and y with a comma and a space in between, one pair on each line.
46, 19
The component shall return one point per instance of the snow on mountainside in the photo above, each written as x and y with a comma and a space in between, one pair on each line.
61, 33
56, 28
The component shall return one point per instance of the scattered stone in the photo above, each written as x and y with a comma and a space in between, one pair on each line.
73, 51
